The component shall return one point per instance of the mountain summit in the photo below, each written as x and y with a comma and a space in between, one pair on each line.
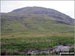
42, 11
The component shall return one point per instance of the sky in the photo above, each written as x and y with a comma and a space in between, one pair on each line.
66, 7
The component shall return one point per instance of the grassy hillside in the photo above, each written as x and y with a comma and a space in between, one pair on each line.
34, 23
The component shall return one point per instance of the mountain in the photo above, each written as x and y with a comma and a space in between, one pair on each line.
36, 19
42, 11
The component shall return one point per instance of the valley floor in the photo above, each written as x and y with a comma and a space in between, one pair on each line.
41, 42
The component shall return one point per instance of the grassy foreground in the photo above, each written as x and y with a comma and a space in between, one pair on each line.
12, 44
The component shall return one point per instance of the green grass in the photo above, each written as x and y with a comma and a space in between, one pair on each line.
33, 32
33, 23
23, 41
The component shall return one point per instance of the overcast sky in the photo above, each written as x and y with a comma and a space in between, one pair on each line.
66, 7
